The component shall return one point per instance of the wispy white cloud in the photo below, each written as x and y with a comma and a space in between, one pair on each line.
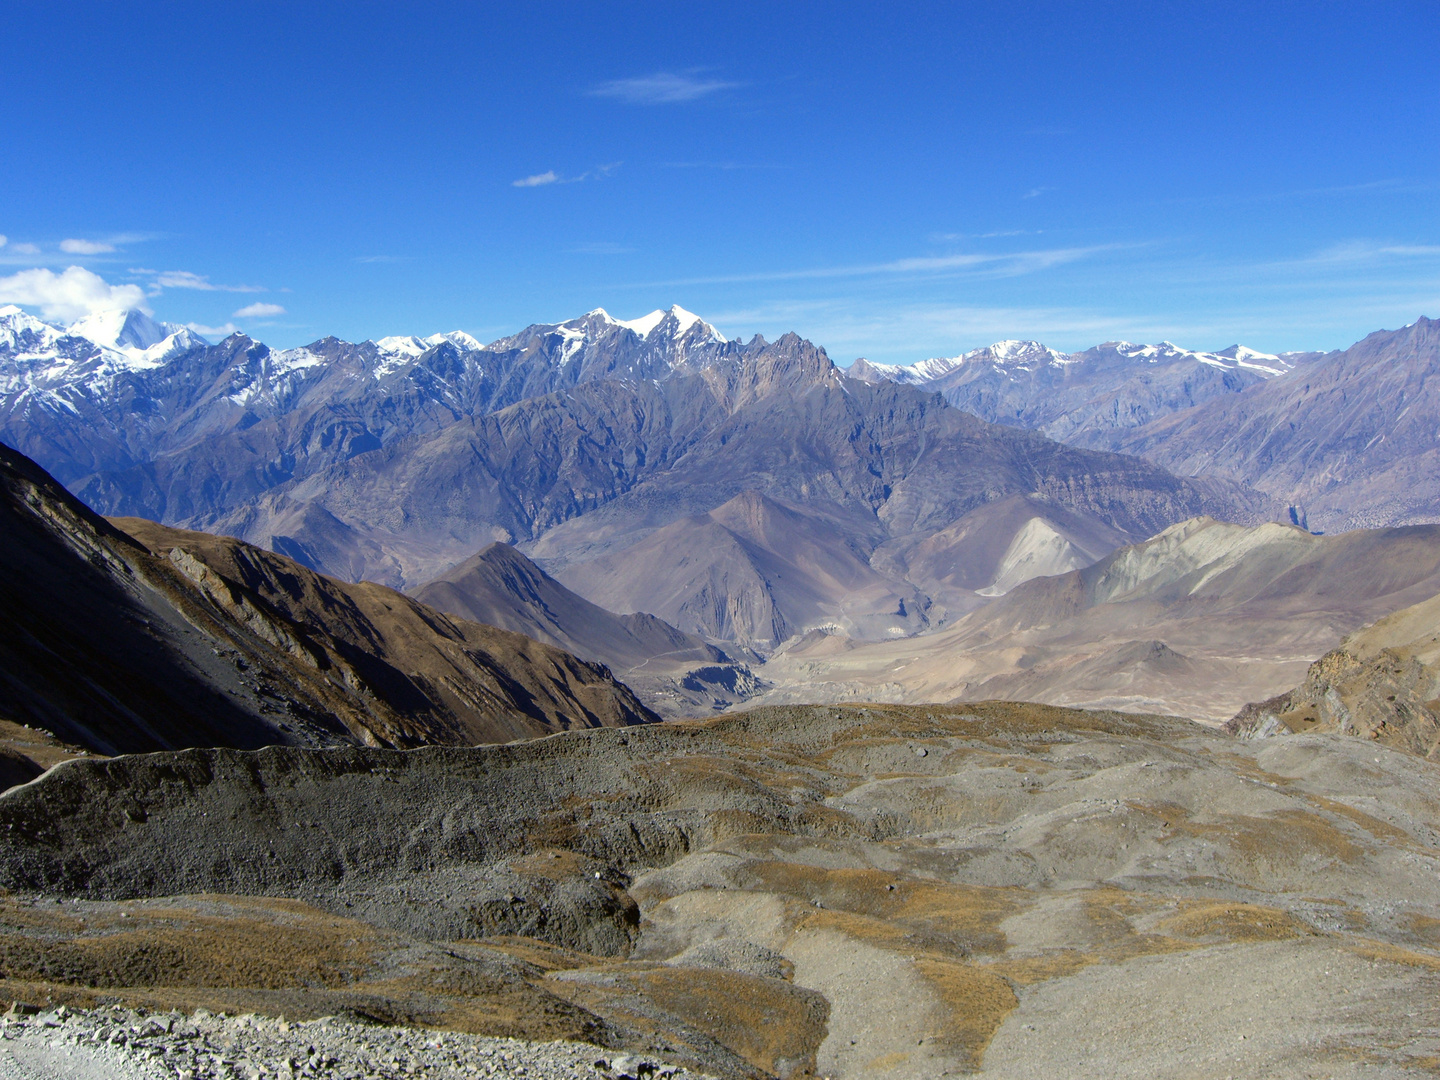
4, 240
70, 295
380, 259
550, 176
184, 279
662, 88
989, 264
1036, 192
1355, 252
75, 246
25, 249
258, 311
213, 331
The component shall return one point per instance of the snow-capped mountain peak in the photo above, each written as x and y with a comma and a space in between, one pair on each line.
136, 336
121, 329
645, 325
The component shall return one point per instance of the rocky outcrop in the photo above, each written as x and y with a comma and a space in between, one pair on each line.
1382, 684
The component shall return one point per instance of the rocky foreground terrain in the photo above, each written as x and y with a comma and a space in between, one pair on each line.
123, 1044
1000, 889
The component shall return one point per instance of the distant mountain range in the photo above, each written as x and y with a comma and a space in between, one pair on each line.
395, 460
1084, 398
743, 492
1347, 437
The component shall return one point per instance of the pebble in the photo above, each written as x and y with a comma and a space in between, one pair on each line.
209, 1046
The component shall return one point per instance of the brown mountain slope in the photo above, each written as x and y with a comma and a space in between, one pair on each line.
500, 587
674, 673
1350, 437
446, 680
1382, 683
756, 570
1194, 621
118, 646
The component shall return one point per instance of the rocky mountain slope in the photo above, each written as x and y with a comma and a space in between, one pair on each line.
1085, 398
397, 459
1195, 621
1351, 437
1382, 683
673, 672
155, 638
847, 892
756, 570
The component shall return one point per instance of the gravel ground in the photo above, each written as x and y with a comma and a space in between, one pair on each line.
120, 1044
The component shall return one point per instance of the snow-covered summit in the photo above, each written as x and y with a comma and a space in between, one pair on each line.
118, 339
646, 325
1005, 354
1026, 357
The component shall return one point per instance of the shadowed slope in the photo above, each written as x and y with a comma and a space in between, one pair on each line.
183, 639
501, 587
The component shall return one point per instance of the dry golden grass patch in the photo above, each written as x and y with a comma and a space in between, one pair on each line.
765, 1021
888, 909
1278, 840
256, 944
1232, 922
978, 1000
1381, 830
1395, 954
270, 956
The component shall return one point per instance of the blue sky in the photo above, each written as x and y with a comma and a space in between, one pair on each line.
896, 181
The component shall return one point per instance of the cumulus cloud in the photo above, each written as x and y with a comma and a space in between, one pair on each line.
70, 295
258, 311
538, 180
662, 88
85, 247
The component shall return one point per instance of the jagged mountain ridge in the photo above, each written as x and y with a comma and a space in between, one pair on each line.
1351, 437
152, 638
1085, 398
570, 440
